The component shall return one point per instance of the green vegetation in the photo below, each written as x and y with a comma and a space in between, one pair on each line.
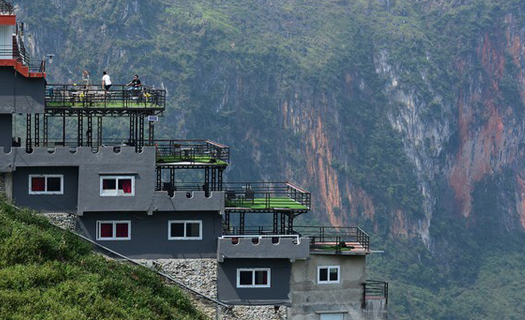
199, 159
263, 203
47, 273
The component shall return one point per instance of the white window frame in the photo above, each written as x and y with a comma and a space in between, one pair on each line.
45, 176
328, 281
185, 237
115, 193
253, 285
114, 223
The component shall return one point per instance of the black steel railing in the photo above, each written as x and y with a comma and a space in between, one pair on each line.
95, 96
338, 239
266, 195
16, 51
375, 290
202, 151
250, 230
6, 8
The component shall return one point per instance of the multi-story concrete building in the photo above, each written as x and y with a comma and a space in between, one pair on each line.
134, 194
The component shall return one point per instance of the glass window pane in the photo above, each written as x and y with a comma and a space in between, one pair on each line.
192, 230
124, 185
54, 184
122, 230
106, 230
109, 184
38, 184
332, 316
245, 278
323, 274
261, 277
334, 274
177, 229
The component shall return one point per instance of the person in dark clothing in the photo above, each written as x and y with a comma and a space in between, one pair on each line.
135, 85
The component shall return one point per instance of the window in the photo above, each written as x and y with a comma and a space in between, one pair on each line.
113, 230
117, 186
46, 184
253, 278
328, 274
184, 230
331, 316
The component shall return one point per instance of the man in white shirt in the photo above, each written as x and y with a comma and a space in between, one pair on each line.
106, 81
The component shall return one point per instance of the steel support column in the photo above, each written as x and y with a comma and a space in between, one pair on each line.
80, 130
159, 178
275, 223
219, 179
46, 129
241, 223
207, 177
151, 132
29, 147
99, 131
227, 220
64, 128
37, 130
213, 179
283, 222
140, 143
290, 223
89, 132
132, 129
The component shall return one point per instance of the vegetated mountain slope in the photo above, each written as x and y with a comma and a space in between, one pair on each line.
47, 273
405, 117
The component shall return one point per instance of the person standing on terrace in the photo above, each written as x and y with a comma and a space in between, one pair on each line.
106, 81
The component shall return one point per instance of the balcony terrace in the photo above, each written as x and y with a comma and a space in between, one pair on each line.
265, 196
191, 152
335, 240
94, 100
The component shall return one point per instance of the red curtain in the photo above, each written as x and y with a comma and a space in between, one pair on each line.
106, 230
38, 184
126, 185
122, 230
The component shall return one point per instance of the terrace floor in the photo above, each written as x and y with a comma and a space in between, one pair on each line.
185, 161
343, 248
264, 203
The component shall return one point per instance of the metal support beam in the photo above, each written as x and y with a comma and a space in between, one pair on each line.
159, 178
275, 222
99, 132
219, 179
283, 222
29, 147
241, 223
64, 128
213, 179
207, 177
172, 177
80, 130
46, 129
89, 132
151, 132
290, 223
132, 129
140, 143
227, 220
37, 130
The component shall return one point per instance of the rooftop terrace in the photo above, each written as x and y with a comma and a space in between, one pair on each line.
89, 97
335, 240
264, 196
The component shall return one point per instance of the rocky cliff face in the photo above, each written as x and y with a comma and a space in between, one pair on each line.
405, 117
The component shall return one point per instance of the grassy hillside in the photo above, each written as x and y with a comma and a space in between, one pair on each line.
46, 273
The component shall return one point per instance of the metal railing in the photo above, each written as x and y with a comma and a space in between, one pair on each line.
256, 238
16, 51
252, 231
337, 238
375, 290
95, 96
266, 195
204, 151
6, 8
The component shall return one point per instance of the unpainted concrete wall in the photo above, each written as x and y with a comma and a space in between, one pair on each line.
149, 234
66, 202
6, 132
309, 298
19, 94
277, 294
